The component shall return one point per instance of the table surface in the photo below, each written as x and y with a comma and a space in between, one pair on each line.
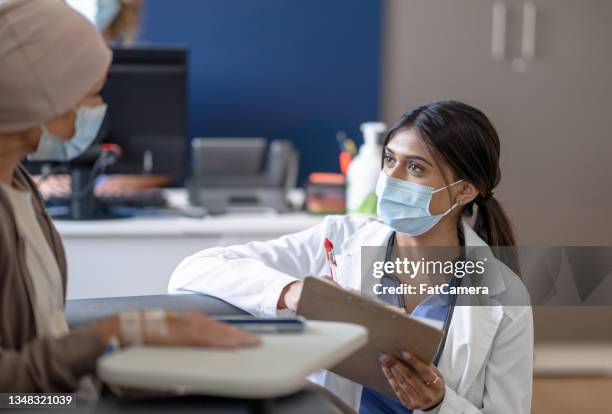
278, 367
303, 402
82, 311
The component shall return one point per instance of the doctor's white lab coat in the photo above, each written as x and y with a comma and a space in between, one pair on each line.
487, 360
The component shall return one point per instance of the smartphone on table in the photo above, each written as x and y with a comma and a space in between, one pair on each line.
265, 325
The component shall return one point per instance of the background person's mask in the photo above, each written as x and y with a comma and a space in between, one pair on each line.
86, 127
106, 13
404, 206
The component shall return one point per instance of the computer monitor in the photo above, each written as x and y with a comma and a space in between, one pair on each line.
146, 93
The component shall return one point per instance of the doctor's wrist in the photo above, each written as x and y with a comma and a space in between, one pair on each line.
290, 296
434, 408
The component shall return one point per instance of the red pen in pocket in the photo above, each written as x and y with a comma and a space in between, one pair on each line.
331, 257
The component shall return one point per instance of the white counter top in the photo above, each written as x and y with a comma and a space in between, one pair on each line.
139, 254
243, 224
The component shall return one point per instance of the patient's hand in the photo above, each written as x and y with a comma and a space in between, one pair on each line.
192, 328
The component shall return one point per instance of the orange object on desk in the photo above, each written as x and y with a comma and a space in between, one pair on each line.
345, 159
326, 178
325, 193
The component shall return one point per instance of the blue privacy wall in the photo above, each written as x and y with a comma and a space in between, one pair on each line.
295, 69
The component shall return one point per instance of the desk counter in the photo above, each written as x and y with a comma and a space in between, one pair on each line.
135, 257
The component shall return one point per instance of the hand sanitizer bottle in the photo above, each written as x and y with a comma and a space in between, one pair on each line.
363, 171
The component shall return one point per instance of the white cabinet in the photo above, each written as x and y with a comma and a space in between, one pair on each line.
553, 117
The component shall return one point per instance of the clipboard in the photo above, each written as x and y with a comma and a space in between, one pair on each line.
390, 330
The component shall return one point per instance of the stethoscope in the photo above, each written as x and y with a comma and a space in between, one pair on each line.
392, 280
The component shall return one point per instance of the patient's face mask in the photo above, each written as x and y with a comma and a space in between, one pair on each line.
86, 127
404, 206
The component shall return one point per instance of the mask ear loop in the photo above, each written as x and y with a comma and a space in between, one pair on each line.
451, 207
450, 185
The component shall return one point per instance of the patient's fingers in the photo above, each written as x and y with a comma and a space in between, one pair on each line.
192, 328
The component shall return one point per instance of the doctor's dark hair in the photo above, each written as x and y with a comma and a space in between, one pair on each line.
464, 138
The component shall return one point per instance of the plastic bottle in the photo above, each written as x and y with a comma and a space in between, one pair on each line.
363, 171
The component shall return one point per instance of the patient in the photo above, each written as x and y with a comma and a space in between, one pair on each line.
53, 64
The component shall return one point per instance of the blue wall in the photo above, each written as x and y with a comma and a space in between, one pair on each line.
292, 69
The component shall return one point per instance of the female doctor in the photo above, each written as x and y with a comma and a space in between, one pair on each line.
440, 165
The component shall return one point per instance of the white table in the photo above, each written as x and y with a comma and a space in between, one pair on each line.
279, 367
135, 257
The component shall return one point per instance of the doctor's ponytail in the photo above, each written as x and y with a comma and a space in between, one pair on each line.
493, 226
462, 137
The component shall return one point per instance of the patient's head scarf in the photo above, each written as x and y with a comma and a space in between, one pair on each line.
50, 57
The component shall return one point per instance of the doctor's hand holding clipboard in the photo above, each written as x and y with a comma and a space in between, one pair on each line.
417, 385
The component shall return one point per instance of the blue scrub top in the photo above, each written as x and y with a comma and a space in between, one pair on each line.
373, 402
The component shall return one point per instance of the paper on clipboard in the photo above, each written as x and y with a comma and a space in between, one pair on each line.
390, 331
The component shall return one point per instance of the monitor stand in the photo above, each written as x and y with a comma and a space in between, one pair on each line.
83, 203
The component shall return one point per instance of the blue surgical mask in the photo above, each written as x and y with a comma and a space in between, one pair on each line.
86, 127
107, 12
404, 206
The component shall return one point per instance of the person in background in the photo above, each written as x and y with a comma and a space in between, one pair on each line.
53, 64
119, 23
117, 20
